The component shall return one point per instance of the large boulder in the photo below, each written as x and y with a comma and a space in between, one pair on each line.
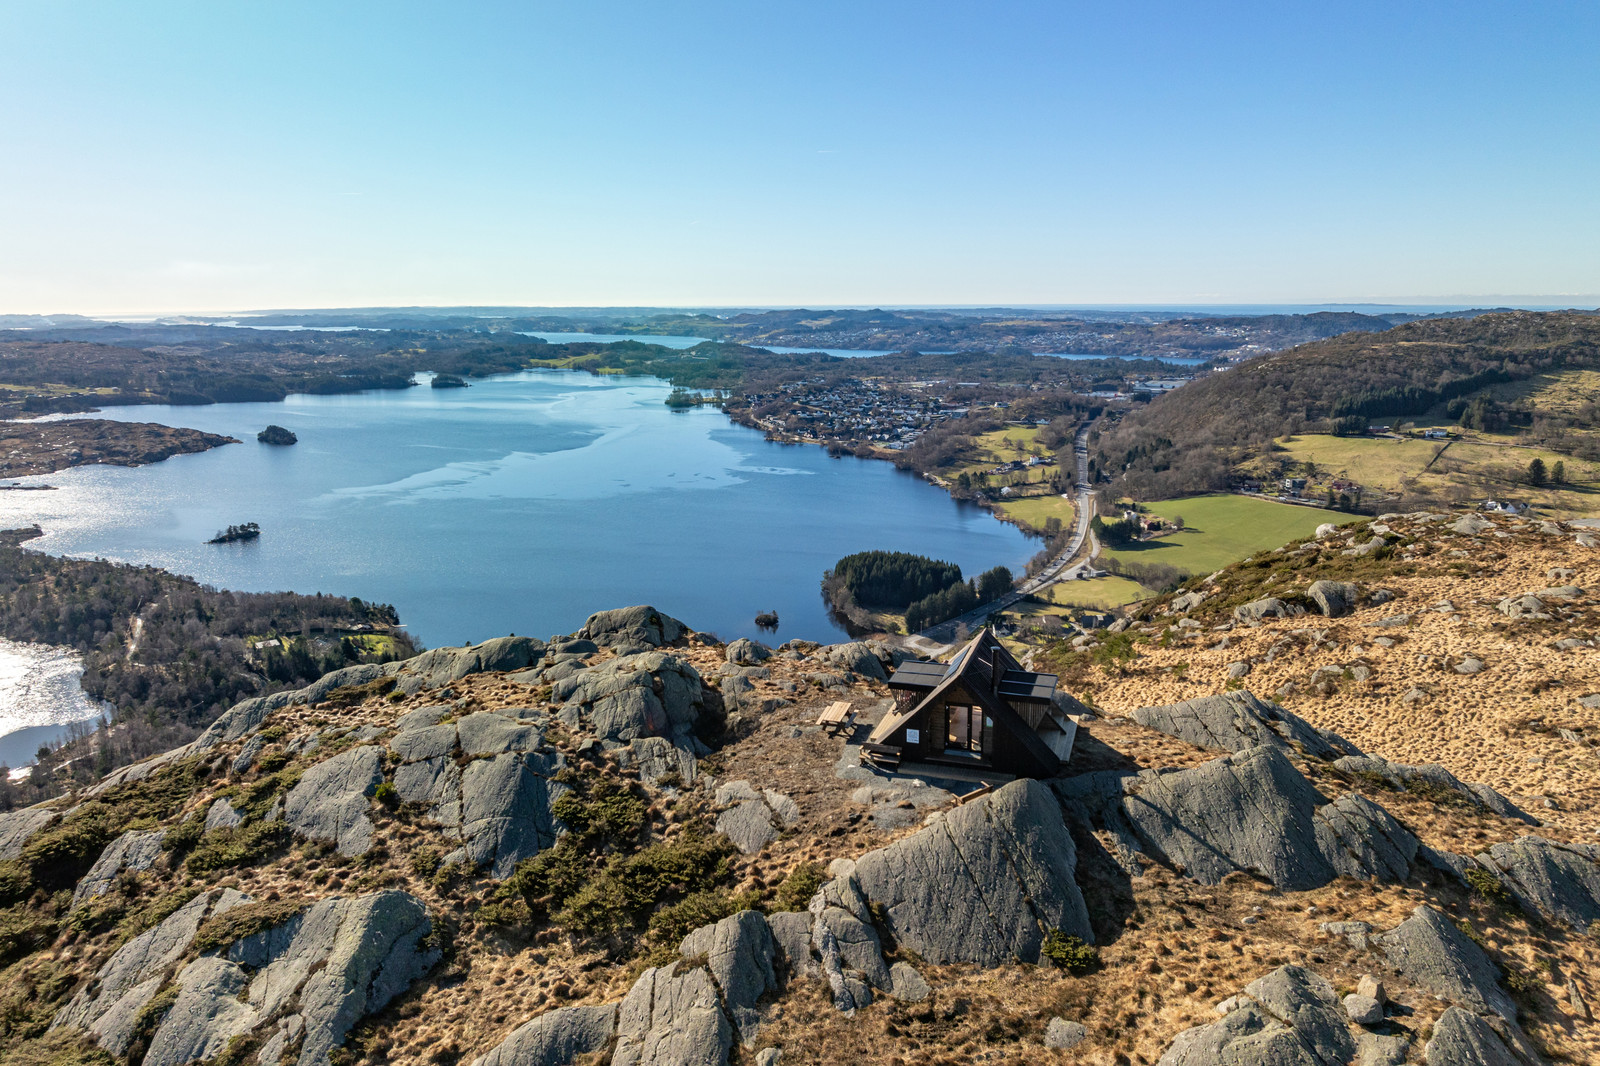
1431, 778
1560, 881
484, 778
1290, 1017
17, 826
332, 798
108, 1007
331, 965
984, 883
555, 1038
858, 657
437, 668
672, 1016
633, 626
1254, 812
1461, 1038
746, 652
1267, 607
739, 952
1334, 598
651, 694
133, 850
1429, 950
1234, 721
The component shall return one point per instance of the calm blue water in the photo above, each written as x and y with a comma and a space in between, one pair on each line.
843, 353
521, 504
612, 338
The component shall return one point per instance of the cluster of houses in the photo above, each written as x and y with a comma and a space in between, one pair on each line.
890, 414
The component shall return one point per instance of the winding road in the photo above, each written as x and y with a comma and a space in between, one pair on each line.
937, 639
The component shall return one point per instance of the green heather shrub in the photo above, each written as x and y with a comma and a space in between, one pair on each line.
182, 838
224, 848
1070, 953
387, 794
270, 762
23, 930
245, 920
1488, 886
153, 913
350, 695
671, 924
608, 810
148, 1020
425, 861
798, 887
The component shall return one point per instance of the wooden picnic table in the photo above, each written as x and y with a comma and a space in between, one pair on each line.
837, 718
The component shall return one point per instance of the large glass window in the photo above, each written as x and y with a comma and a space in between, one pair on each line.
965, 730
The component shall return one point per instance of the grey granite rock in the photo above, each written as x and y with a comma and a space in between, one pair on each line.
1429, 950
982, 883
1334, 598
906, 984
17, 826
633, 625
747, 652
1234, 721
1431, 776
421, 742
658, 757
1470, 525
1290, 1017
221, 815
1267, 607
1560, 881
330, 965
1363, 1010
739, 952
647, 694
555, 1038
671, 1017
1062, 1035
1253, 811
133, 850
1461, 1038
490, 733
791, 930
858, 657
505, 810
109, 1006
332, 799
439, 667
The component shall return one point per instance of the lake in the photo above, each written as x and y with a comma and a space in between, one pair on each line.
39, 697
519, 505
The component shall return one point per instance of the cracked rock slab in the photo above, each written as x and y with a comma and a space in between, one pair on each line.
133, 850
333, 797
555, 1038
1234, 721
982, 883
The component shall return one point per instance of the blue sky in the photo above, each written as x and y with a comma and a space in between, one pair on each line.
204, 156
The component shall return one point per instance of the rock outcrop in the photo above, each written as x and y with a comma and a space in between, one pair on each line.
1290, 1017
1560, 881
1461, 1038
649, 694
484, 778
555, 1038
1234, 721
133, 850
17, 826
332, 798
1253, 812
108, 1008
633, 627
752, 819
1430, 951
324, 969
1334, 598
984, 883
1432, 777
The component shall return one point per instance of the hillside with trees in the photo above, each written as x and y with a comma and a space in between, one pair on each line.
1190, 439
168, 653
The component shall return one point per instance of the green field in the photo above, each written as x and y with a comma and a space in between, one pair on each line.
1103, 592
1219, 530
1035, 511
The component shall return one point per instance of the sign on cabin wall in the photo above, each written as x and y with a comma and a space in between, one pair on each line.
913, 736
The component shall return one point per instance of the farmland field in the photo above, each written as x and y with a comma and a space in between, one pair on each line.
1219, 530
1104, 592
1035, 511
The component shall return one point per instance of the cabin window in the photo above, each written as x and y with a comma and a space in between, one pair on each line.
913, 736
965, 732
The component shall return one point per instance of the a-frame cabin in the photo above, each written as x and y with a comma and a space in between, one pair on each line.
981, 710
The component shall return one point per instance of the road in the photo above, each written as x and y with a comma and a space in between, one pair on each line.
937, 639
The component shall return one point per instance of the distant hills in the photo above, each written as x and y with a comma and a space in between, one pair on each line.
1187, 440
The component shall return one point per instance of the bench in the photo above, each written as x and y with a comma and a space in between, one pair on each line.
886, 756
838, 718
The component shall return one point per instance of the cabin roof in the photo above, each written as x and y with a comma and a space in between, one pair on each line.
974, 668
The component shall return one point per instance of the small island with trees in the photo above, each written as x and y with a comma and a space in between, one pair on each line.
277, 435
865, 587
449, 381
244, 531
